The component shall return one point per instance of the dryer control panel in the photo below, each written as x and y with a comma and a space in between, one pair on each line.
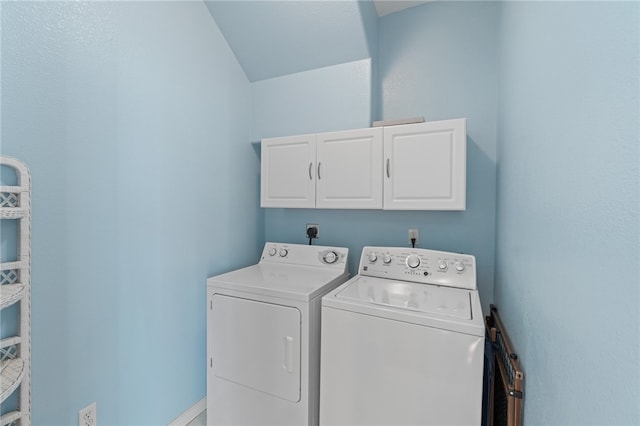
305, 255
419, 265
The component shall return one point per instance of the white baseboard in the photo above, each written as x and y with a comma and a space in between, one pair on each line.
191, 413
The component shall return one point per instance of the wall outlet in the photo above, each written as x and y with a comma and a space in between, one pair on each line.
413, 233
313, 225
88, 416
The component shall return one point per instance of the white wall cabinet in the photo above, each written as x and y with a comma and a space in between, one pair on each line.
425, 166
349, 174
405, 167
287, 177
339, 170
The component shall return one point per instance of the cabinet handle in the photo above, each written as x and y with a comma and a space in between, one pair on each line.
388, 174
310, 175
319, 163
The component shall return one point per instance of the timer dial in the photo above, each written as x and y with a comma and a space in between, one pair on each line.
413, 261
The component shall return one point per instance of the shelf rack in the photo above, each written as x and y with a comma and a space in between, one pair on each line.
506, 393
15, 288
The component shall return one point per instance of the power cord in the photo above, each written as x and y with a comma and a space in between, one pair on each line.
312, 232
413, 243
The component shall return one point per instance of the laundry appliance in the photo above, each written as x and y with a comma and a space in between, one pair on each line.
403, 342
263, 336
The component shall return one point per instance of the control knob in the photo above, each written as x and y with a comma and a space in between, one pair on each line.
372, 257
272, 251
386, 259
413, 261
459, 266
442, 265
283, 252
331, 257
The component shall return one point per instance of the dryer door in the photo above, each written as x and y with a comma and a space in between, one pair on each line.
257, 344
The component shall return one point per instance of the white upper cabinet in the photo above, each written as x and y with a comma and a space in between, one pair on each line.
405, 167
339, 170
287, 177
348, 170
425, 166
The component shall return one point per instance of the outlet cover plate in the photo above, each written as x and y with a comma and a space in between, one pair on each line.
88, 416
414, 233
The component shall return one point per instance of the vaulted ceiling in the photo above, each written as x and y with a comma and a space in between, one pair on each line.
275, 38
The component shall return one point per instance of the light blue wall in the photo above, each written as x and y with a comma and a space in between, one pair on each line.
330, 98
440, 61
567, 278
134, 121
136, 118
370, 21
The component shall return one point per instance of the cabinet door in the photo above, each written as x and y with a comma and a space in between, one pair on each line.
425, 166
287, 177
349, 172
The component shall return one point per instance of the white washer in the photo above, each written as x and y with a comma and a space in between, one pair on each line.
403, 342
263, 336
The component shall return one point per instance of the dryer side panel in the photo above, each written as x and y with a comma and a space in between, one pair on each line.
257, 345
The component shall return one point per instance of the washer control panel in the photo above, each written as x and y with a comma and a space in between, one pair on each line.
305, 255
419, 265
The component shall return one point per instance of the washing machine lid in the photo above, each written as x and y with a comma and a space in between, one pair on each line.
447, 308
415, 297
277, 280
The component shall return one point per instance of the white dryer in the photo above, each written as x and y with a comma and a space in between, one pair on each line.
403, 342
263, 336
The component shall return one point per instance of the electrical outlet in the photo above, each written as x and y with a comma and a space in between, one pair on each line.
413, 233
313, 225
88, 416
